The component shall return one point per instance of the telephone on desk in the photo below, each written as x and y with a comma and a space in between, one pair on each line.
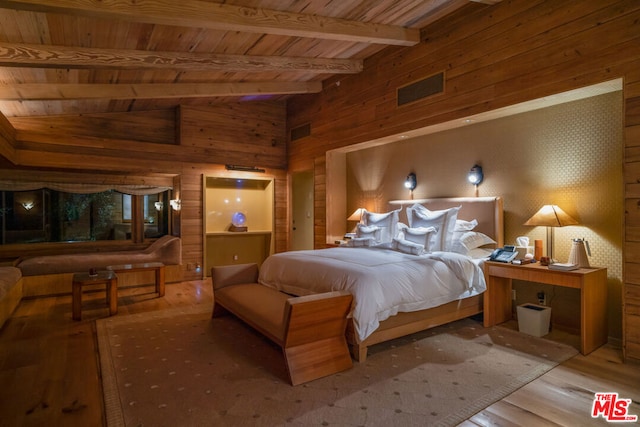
506, 254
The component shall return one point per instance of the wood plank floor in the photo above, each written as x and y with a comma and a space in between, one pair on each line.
49, 367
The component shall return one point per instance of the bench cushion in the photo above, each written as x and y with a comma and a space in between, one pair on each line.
260, 306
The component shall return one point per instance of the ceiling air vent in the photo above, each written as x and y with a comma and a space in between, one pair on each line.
300, 132
421, 89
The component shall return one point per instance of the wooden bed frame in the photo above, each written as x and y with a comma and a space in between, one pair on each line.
488, 211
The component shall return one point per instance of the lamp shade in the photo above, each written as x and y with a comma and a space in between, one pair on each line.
551, 216
357, 215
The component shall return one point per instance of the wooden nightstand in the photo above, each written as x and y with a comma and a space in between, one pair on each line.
592, 283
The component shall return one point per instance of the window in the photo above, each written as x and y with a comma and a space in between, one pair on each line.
54, 216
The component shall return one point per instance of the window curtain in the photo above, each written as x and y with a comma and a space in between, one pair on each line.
135, 190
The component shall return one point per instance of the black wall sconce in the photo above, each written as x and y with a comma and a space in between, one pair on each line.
475, 175
411, 182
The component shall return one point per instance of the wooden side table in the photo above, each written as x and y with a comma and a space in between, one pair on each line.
157, 267
107, 278
592, 283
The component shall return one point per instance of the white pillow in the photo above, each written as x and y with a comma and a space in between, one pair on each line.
462, 225
480, 253
358, 242
421, 236
386, 222
407, 247
471, 240
368, 232
420, 216
437, 222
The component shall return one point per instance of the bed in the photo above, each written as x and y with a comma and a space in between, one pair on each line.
398, 291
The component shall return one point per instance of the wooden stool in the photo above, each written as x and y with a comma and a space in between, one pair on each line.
157, 267
107, 278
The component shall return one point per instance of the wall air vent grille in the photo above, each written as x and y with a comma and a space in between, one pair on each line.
421, 89
300, 132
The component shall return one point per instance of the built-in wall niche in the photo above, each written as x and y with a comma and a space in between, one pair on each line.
243, 202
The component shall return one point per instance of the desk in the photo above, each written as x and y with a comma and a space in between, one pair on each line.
107, 278
592, 283
157, 267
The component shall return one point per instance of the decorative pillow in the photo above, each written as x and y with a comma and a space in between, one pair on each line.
386, 222
437, 222
407, 247
471, 240
420, 216
358, 242
400, 227
368, 232
421, 236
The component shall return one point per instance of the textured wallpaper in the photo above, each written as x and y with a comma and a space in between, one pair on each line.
569, 154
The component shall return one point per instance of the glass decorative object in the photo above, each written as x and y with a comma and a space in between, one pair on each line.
238, 222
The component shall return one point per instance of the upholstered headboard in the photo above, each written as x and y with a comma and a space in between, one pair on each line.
488, 211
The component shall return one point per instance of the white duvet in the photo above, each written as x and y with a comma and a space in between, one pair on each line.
383, 282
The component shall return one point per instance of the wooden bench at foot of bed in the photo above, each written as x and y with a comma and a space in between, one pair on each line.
309, 329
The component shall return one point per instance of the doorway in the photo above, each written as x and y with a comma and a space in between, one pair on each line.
302, 211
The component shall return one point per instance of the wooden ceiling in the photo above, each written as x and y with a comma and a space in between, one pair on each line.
60, 57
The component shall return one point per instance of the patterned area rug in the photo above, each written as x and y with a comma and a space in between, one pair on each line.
179, 367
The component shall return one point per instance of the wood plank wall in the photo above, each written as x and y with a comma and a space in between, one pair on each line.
319, 202
7, 139
241, 134
631, 290
149, 126
187, 144
494, 57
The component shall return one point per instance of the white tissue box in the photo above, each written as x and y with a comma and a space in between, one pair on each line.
523, 250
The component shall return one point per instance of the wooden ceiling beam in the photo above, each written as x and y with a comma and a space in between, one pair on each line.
43, 56
217, 16
62, 91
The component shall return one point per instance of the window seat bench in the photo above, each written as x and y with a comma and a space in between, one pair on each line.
310, 329
52, 274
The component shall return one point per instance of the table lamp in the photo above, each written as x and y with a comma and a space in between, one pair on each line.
356, 216
550, 216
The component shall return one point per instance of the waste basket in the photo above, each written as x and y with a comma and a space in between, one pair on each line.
534, 319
